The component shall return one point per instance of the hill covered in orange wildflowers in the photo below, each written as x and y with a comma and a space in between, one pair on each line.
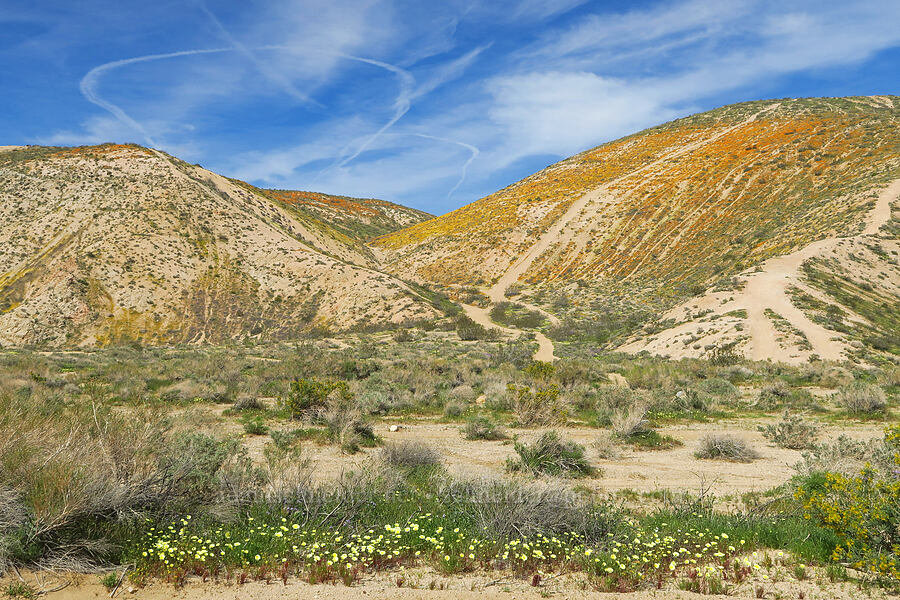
119, 243
677, 210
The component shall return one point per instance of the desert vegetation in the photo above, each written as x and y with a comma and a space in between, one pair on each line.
199, 463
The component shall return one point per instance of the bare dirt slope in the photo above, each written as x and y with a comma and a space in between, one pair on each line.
114, 244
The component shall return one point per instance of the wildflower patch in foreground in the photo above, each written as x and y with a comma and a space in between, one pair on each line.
625, 561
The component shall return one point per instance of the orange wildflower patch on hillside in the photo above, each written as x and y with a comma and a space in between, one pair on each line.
765, 188
318, 200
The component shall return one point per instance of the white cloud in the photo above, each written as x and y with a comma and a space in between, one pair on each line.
562, 113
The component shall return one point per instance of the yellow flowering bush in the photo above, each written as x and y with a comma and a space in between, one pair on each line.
864, 510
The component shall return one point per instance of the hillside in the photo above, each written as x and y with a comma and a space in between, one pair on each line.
109, 244
362, 218
664, 215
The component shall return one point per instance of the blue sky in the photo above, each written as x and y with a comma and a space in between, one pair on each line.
431, 104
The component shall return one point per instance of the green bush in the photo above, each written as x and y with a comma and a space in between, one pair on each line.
255, 426
551, 455
468, 330
306, 394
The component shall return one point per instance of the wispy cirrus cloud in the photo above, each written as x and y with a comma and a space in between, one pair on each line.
421, 103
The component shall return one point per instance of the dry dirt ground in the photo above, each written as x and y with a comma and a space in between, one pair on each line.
417, 584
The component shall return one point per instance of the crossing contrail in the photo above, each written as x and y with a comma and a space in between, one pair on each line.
274, 76
472, 149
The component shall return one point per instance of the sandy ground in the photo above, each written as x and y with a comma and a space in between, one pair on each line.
639, 470
416, 583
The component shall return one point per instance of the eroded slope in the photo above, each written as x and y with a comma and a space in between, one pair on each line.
116, 243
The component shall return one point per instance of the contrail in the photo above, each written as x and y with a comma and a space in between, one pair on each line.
277, 78
88, 85
401, 104
474, 154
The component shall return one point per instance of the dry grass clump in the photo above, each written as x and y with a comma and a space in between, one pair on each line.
726, 447
63, 467
482, 428
862, 398
606, 447
510, 509
551, 454
410, 456
345, 422
631, 420
247, 402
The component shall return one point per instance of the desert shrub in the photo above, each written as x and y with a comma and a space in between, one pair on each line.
513, 289
468, 330
863, 509
515, 352
687, 400
719, 387
890, 376
551, 455
862, 398
255, 426
306, 394
573, 371
724, 355
515, 315
510, 509
345, 422
537, 406
845, 455
791, 432
403, 335
726, 447
773, 395
482, 428
455, 409
361, 369
617, 397
540, 370
409, 457
606, 447
462, 393
62, 471
246, 402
